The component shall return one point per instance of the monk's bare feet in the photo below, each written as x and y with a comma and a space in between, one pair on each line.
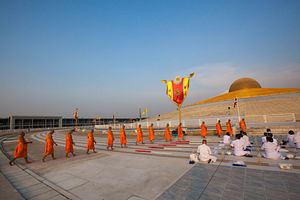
28, 162
43, 159
10, 163
53, 158
87, 152
95, 151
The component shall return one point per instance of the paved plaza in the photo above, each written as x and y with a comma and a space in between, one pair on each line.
148, 171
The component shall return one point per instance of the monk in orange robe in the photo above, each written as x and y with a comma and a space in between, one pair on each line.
151, 133
180, 132
69, 143
21, 149
203, 129
139, 136
91, 142
123, 140
219, 128
243, 125
49, 150
229, 127
110, 139
168, 136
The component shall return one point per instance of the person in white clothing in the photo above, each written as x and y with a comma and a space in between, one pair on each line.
264, 138
245, 138
205, 153
238, 146
271, 149
274, 140
226, 138
297, 140
290, 139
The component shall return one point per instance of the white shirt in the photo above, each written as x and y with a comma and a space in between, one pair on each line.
271, 150
226, 139
297, 140
238, 146
263, 139
291, 141
275, 141
204, 152
246, 140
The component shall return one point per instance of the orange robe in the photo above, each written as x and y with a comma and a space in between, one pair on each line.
21, 149
69, 143
123, 136
168, 136
151, 133
110, 138
203, 130
91, 141
139, 137
179, 132
243, 125
49, 145
229, 128
219, 129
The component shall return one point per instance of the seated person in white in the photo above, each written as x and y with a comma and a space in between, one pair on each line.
226, 139
271, 149
274, 140
263, 138
290, 139
205, 153
297, 140
246, 140
238, 146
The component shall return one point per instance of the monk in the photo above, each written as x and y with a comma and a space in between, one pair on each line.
69, 143
110, 139
91, 142
151, 133
139, 136
229, 127
243, 125
180, 132
168, 136
203, 129
219, 128
21, 149
123, 140
49, 150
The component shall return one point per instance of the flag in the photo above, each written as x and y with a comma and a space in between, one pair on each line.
145, 111
177, 89
235, 102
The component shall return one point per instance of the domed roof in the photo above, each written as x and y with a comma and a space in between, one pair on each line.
244, 83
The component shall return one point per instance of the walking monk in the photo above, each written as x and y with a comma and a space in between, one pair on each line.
229, 127
243, 125
21, 149
123, 140
91, 142
49, 150
139, 136
180, 132
151, 133
110, 139
168, 136
219, 128
203, 129
69, 143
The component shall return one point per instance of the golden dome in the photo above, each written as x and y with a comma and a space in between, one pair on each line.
244, 83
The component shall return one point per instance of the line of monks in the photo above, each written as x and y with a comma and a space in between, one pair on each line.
21, 149
219, 130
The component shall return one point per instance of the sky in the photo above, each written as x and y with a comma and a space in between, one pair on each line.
107, 57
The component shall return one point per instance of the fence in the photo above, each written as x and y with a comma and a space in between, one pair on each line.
209, 121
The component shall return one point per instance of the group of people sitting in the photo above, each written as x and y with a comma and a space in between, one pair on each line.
242, 147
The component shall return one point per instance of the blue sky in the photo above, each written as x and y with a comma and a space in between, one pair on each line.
108, 57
